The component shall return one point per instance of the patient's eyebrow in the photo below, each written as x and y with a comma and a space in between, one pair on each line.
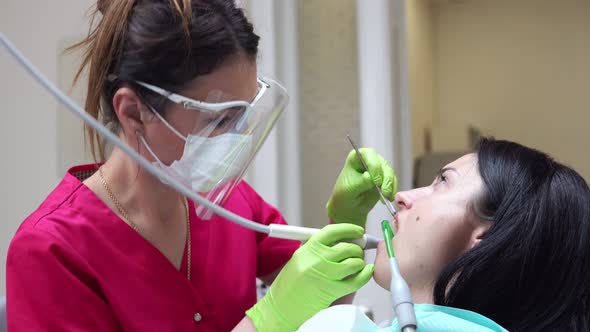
444, 169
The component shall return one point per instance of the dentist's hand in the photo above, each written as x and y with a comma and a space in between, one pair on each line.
321, 271
354, 194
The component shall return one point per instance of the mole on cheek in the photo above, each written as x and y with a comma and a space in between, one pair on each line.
418, 218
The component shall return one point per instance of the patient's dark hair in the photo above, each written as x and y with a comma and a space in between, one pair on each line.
531, 271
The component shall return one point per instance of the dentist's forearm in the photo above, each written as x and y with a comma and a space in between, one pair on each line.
347, 299
245, 325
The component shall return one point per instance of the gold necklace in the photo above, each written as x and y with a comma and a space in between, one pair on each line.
123, 212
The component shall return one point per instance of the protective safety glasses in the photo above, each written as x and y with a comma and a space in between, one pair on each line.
189, 103
236, 116
223, 137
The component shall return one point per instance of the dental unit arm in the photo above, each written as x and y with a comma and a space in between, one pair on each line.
273, 230
401, 297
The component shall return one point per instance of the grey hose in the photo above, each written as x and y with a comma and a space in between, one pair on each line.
112, 138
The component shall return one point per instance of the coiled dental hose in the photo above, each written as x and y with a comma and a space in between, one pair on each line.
273, 230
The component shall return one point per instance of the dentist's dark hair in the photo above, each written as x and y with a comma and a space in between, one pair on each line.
163, 42
531, 271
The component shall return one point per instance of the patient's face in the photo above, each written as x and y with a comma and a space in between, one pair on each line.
434, 225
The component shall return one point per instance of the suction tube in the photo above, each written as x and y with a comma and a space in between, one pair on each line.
273, 230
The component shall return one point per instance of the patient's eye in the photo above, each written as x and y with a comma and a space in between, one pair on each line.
441, 177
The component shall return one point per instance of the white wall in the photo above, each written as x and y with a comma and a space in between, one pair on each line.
518, 70
275, 172
420, 27
28, 135
329, 102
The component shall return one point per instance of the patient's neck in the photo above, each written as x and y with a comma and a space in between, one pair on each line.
422, 294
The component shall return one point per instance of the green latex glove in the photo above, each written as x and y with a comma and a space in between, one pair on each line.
321, 271
354, 194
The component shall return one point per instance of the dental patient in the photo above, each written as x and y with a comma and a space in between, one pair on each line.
500, 240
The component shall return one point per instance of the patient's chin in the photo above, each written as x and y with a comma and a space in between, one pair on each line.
382, 276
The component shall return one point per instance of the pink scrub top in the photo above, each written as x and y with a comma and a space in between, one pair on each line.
74, 265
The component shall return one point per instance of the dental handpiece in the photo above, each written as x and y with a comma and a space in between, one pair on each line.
368, 241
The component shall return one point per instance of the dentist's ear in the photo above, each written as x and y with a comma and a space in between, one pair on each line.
132, 111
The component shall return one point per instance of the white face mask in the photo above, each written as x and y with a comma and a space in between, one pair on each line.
208, 162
